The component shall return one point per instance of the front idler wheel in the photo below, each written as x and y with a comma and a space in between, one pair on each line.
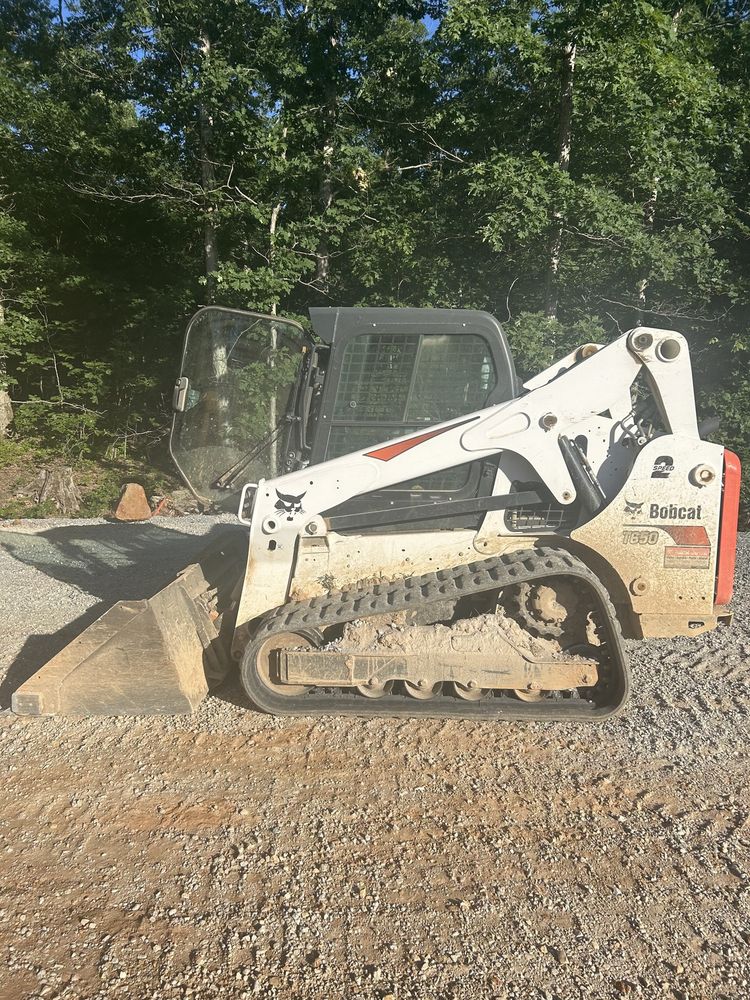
267, 661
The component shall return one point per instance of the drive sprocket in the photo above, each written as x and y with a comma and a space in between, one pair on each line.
549, 609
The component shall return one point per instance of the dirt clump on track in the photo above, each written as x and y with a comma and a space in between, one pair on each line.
393, 633
230, 854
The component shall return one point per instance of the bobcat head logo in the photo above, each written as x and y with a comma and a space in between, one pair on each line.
289, 505
633, 508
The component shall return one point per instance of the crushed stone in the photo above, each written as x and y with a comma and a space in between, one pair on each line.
231, 854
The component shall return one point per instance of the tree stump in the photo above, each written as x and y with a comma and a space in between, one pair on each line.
56, 484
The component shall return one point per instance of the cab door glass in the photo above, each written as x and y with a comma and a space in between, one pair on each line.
236, 385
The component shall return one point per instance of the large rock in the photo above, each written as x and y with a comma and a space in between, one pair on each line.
133, 505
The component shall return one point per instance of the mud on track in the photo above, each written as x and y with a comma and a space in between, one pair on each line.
234, 855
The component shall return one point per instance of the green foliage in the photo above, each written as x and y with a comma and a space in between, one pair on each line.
536, 340
11, 452
733, 406
157, 156
11, 509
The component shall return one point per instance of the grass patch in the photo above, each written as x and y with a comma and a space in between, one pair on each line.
99, 482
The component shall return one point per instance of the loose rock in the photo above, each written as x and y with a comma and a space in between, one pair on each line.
133, 504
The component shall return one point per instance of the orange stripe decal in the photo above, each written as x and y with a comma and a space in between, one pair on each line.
390, 451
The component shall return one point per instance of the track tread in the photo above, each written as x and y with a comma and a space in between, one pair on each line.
339, 607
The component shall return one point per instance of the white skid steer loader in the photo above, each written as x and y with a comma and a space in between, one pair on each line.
480, 553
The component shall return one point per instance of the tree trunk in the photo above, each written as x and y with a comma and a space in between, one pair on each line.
272, 413
322, 254
208, 181
325, 187
649, 209
6, 412
6, 407
564, 144
210, 251
649, 213
273, 225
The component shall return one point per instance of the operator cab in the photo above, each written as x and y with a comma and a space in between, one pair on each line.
258, 397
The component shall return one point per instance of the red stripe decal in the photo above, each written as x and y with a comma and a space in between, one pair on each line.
687, 534
730, 505
390, 451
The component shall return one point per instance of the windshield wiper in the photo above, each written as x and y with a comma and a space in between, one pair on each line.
229, 478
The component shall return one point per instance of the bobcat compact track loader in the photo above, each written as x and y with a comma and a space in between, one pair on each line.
425, 535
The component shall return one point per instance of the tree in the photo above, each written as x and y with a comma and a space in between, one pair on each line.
575, 169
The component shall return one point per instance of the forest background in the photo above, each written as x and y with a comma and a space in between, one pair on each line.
575, 168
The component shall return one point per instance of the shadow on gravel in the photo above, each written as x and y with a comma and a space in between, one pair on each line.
111, 562
232, 693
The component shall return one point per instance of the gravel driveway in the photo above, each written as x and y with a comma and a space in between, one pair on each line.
230, 854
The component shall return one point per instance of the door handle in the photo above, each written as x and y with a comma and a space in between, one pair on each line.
179, 396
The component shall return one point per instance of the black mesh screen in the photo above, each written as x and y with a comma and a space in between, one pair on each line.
393, 384
346, 438
376, 375
410, 381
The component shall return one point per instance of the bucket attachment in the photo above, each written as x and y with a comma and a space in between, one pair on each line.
152, 657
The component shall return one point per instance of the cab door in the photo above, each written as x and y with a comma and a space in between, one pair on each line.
234, 400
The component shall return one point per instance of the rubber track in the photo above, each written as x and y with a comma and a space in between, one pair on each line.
527, 565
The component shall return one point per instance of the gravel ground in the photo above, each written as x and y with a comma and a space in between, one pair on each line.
229, 854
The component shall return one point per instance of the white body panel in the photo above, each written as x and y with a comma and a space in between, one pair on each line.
589, 399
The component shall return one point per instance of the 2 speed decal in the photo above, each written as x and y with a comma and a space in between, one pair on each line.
663, 467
